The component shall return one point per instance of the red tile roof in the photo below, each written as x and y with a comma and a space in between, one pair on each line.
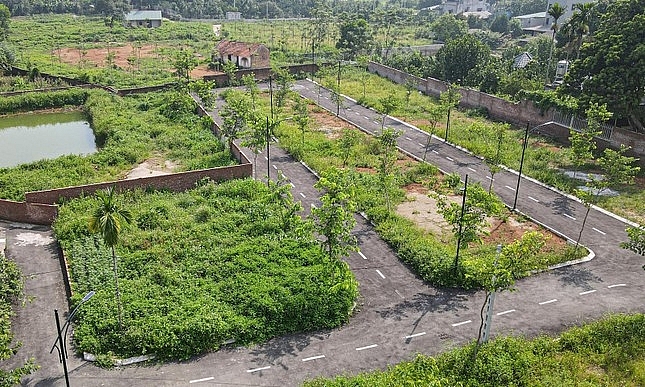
229, 47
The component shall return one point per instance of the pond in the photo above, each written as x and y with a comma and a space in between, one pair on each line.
26, 138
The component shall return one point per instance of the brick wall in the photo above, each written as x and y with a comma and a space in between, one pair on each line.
34, 213
261, 74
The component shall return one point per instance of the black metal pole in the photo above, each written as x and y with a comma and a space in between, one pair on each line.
268, 155
447, 125
519, 176
63, 349
338, 90
461, 218
271, 95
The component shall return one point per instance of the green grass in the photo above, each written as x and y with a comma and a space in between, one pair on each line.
609, 352
543, 161
199, 268
128, 131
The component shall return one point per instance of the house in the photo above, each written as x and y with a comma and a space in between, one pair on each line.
541, 22
244, 55
477, 8
233, 15
149, 19
522, 60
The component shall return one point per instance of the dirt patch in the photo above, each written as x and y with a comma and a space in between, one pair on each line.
422, 210
152, 167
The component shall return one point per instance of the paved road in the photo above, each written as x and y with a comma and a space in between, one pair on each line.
398, 315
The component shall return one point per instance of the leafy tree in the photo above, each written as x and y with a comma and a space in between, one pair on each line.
280, 192
468, 221
348, 140
516, 254
388, 152
318, 25
555, 11
434, 115
579, 22
460, 56
235, 114
230, 69
5, 20
301, 117
363, 61
108, 220
284, 80
609, 70
636, 241
494, 161
448, 27
7, 57
252, 88
448, 100
583, 142
389, 104
334, 219
500, 24
355, 37
256, 135
204, 90
184, 62
617, 170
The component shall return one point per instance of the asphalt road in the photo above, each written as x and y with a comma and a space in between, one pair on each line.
398, 315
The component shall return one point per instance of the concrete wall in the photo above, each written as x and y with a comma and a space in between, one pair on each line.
261, 74
34, 213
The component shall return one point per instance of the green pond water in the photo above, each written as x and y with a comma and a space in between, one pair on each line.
26, 138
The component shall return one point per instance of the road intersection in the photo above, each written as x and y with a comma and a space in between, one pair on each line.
398, 315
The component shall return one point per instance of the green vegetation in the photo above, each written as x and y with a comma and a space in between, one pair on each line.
543, 161
199, 268
128, 131
11, 284
39, 101
610, 352
362, 158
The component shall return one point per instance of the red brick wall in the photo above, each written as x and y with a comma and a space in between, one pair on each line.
22, 212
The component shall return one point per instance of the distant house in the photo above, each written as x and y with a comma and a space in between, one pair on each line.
148, 19
542, 22
244, 55
522, 60
233, 15
478, 8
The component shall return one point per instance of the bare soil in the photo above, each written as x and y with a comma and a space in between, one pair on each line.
154, 166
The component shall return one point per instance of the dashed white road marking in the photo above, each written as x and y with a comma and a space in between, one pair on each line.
548, 302
399, 294
471, 169
313, 358
568, 216
379, 273
509, 187
362, 255
598, 231
357, 113
587, 292
292, 186
266, 158
274, 167
420, 144
303, 195
450, 158
534, 199
462, 323
414, 335
490, 178
258, 369
313, 205
408, 138
506, 312
367, 347
201, 380
376, 122
434, 151
615, 286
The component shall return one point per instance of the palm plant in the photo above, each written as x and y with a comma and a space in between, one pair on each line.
580, 22
108, 220
555, 11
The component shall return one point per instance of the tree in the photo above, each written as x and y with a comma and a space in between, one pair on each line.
468, 220
280, 192
580, 21
230, 69
610, 68
256, 136
5, 20
318, 26
448, 100
636, 241
334, 219
184, 62
284, 80
448, 27
108, 220
387, 149
348, 140
363, 61
355, 37
494, 161
301, 117
235, 116
204, 90
583, 142
617, 170
7, 57
435, 113
555, 11
459, 57
252, 88
389, 104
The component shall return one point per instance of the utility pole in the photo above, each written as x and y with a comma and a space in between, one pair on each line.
268, 134
519, 176
338, 89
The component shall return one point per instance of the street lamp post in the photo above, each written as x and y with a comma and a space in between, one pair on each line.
519, 176
60, 342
